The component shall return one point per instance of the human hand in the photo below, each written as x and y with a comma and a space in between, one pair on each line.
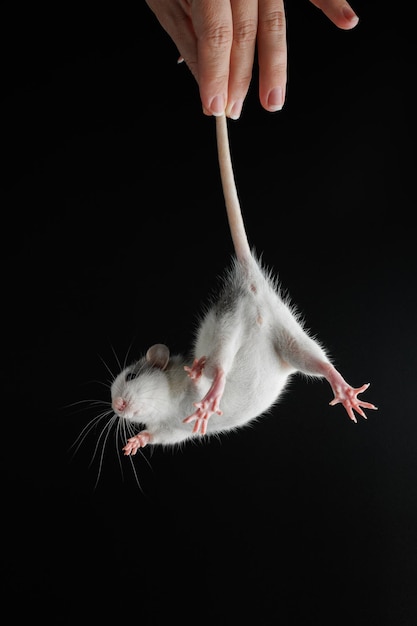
217, 40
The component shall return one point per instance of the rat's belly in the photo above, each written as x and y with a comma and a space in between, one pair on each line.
251, 389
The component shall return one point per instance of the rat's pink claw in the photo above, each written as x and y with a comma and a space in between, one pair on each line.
196, 370
138, 441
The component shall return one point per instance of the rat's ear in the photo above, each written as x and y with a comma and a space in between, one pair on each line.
158, 356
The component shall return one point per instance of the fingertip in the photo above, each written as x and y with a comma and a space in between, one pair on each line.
234, 110
350, 16
275, 100
342, 15
346, 19
217, 105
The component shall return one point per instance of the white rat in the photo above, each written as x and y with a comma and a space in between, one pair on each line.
249, 343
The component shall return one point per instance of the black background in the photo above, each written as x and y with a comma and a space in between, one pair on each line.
114, 232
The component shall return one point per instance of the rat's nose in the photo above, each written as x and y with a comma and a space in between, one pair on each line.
119, 404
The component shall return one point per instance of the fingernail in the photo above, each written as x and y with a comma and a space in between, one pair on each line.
350, 15
275, 99
217, 105
235, 110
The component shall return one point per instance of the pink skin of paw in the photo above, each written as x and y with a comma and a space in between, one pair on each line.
211, 401
138, 441
347, 395
196, 370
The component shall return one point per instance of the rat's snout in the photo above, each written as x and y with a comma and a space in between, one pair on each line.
119, 404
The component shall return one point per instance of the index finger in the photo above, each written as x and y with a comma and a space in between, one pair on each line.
213, 26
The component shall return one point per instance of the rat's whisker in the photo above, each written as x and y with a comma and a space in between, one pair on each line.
106, 384
104, 435
107, 367
116, 357
119, 437
87, 429
89, 402
127, 354
123, 432
134, 471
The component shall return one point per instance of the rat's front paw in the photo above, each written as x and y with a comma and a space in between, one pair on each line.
347, 396
138, 441
196, 370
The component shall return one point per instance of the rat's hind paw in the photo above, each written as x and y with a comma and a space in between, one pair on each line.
138, 441
347, 396
201, 416
208, 405
196, 370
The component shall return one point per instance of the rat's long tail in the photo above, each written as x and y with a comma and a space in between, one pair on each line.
234, 212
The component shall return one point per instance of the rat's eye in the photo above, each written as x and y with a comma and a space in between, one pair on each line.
133, 372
